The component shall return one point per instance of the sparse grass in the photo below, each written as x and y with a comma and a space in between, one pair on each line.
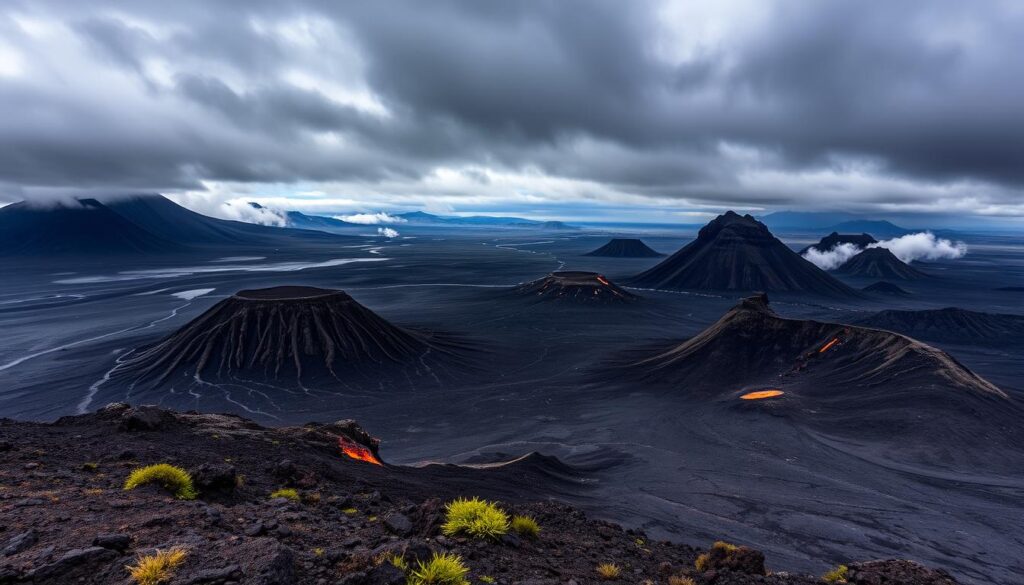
678, 580
157, 568
90, 466
286, 493
475, 517
173, 479
703, 558
836, 575
442, 569
608, 571
487, 579
639, 542
702, 562
350, 511
396, 560
726, 546
526, 526
318, 552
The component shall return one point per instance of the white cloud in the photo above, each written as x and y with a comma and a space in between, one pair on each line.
831, 259
370, 218
922, 246
387, 232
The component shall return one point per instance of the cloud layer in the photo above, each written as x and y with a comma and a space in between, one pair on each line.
919, 246
684, 106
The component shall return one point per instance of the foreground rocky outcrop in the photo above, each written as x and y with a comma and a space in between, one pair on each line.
67, 519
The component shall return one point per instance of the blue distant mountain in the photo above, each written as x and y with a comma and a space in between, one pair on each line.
423, 218
832, 221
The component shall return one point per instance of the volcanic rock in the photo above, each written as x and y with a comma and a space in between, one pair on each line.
835, 238
847, 378
576, 287
625, 248
879, 263
885, 288
288, 333
735, 252
951, 325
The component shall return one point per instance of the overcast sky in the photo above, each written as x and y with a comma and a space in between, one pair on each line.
633, 110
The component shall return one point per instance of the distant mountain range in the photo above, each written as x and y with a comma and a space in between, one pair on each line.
833, 222
423, 218
143, 224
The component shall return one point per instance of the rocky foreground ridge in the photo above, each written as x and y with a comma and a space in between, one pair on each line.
65, 517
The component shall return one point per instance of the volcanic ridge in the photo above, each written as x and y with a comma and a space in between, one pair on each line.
879, 263
625, 248
849, 379
735, 252
291, 506
576, 287
951, 325
291, 333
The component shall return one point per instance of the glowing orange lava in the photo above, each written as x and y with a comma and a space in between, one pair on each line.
357, 451
602, 280
762, 394
828, 345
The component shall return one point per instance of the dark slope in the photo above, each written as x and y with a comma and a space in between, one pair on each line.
625, 248
575, 287
161, 216
951, 325
292, 334
735, 252
843, 379
349, 515
78, 227
835, 238
879, 263
885, 288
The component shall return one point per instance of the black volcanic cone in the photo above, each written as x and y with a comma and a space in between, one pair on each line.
951, 325
835, 238
625, 248
885, 288
849, 379
289, 333
879, 263
739, 253
77, 227
576, 287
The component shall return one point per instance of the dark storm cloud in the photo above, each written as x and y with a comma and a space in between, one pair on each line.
924, 95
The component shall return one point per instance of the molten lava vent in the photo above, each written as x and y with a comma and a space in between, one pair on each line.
762, 394
292, 334
576, 287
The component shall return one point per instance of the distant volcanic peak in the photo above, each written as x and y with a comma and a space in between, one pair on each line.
736, 252
885, 288
835, 238
751, 346
576, 286
290, 333
625, 248
879, 263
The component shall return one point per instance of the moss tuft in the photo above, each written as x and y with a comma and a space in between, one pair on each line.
475, 517
526, 526
608, 571
442, 569
286, 493
173, 479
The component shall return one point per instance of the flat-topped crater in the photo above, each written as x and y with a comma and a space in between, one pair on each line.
576, 286
288, 293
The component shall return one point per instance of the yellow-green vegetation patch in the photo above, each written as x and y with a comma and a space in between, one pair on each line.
475, 517
441, 569
836, 575
157, 568
487, 579
525, 526
173, 479
286, 493
608, 571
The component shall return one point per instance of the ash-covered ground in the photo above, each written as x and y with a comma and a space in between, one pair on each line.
689, 469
